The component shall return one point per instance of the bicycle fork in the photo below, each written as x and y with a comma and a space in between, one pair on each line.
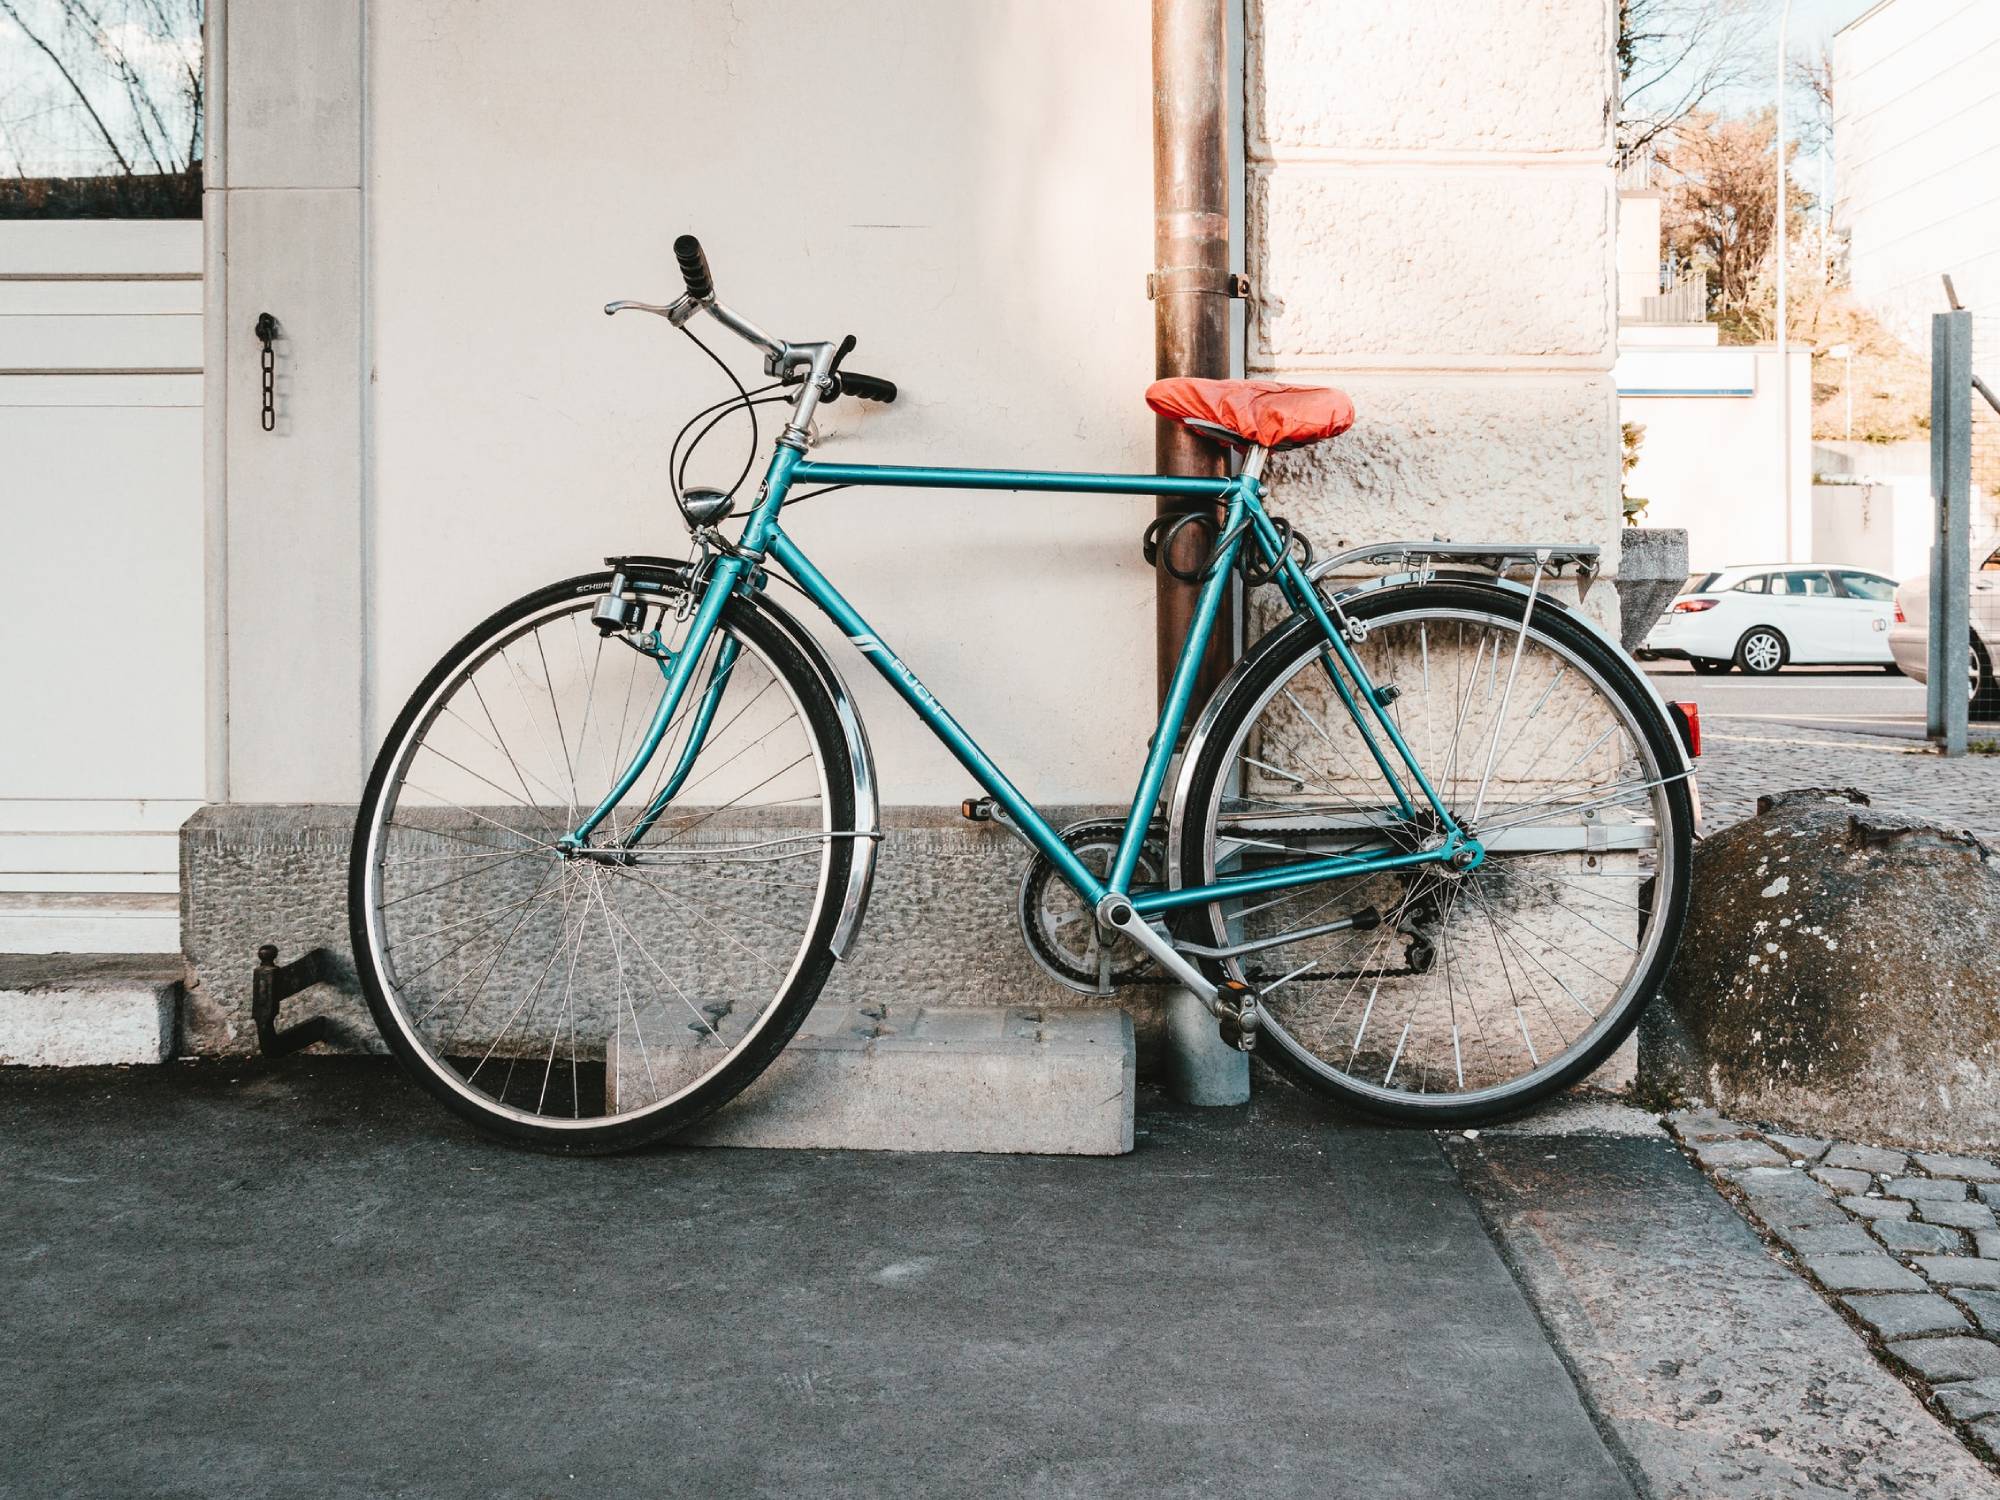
726, 574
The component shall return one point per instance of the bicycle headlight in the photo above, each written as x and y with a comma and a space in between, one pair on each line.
705, 507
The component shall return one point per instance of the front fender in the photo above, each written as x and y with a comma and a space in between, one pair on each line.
657, 573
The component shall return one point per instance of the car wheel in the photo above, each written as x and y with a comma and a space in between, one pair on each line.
1985, 692
1708, 666
1761, 651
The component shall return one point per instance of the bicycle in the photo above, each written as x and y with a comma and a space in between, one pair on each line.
1426, 846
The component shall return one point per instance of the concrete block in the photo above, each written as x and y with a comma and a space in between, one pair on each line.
890, 1077
71, 1010
1959, 1270
1940, 1360
1526, 456
1438, 267
1200, 1068
1901, 1314
1334, 76
1861, 1273
1652, 567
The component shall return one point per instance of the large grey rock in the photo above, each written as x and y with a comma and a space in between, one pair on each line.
1652, 568
1837, 976
87, 1009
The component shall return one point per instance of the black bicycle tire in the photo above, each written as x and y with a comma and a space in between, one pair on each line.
789, 1010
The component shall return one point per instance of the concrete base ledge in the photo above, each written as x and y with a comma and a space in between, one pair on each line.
912, 1078
940, 929
71, 1010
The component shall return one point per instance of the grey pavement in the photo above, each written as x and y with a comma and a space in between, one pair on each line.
1830, 727
1740, 761
1852, 700
304, 1280
301, 1279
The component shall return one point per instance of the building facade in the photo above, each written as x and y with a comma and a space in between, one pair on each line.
434, 202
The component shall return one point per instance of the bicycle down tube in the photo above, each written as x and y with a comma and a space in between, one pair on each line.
1244, 521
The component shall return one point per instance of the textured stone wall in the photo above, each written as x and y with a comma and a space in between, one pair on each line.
940, 930
1431, 227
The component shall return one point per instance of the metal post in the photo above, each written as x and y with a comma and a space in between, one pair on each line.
1947, 699
1191, 287
1792, 539
1191, 283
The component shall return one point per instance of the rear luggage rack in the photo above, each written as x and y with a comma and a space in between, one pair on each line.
1494, 557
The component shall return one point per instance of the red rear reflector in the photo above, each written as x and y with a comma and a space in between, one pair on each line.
1688, 716
1901, 618
1694, 606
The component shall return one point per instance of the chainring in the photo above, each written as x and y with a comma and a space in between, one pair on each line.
1061, 931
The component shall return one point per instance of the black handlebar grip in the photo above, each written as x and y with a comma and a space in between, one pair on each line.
694, 268
867, 387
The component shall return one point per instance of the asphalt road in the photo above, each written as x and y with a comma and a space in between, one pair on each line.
1853, 700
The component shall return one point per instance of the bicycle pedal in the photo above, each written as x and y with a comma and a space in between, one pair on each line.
976, 809
1237, 1014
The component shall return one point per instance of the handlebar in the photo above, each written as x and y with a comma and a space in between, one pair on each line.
867, 387
815, 365
694, 268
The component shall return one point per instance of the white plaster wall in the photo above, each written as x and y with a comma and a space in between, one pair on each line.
1713, 464
1638, 250
967, 189
1432, 228
1886, 527
1916, 153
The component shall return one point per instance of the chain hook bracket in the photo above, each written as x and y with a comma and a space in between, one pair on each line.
267, 335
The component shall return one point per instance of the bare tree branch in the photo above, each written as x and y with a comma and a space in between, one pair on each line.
1675, 57
110, 141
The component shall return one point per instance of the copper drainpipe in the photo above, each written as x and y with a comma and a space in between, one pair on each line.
1191, 284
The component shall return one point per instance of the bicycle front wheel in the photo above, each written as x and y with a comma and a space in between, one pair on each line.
1435, 995
595, 1003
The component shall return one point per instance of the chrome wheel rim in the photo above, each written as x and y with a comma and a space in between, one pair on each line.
1455, 1037
1762, 653
571, 993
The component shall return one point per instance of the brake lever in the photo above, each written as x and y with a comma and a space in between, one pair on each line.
676, 312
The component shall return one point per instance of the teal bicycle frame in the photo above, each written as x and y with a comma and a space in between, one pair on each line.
1244, 521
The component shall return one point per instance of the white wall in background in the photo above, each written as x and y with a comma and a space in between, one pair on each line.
1916, 153
967, 188
101, 569
1711, 459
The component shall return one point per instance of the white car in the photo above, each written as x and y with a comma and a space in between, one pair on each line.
1909, 636
1771, 615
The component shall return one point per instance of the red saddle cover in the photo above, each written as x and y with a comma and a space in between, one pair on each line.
1264, 413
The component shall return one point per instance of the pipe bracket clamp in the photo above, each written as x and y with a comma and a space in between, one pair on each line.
1168, 280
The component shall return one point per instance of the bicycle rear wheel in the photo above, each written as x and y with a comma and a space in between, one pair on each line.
593, 1004
1452, 997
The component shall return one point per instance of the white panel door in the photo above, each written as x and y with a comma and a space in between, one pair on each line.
101, 650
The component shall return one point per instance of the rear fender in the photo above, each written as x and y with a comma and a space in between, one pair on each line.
1283, 639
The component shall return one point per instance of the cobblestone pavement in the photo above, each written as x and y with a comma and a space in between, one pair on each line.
1740, 761
1903, 1242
